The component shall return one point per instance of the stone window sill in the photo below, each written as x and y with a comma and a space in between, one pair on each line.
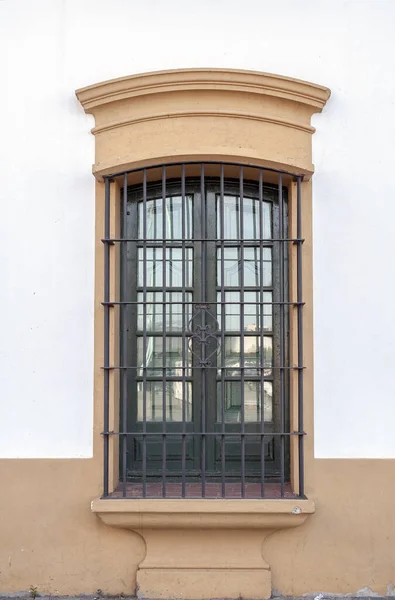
146, 513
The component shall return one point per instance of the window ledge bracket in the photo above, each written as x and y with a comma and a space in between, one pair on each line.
204, 548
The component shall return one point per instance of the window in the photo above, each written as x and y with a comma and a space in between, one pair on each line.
204, 324
231, 117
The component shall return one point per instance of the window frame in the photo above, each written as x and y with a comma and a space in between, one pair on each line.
191, 461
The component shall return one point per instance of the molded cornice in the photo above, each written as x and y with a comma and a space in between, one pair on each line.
230, 80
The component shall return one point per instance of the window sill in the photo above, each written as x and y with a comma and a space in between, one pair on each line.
139, 514
203, 548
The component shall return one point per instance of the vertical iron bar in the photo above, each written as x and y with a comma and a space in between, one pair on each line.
124, 373
203, 347
184, 352
262, 339
223, 317
242, 358
106, 386
282, 341
145, 333
299, 295
164, 332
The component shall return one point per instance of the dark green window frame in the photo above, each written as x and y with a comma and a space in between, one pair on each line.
202, 444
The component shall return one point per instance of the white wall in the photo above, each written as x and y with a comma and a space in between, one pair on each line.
49, 48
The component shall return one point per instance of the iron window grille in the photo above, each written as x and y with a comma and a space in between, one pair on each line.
204, 371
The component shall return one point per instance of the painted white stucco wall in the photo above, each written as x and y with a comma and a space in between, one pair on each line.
48, 48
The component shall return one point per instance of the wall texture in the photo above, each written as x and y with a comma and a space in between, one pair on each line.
55, 46
49, 48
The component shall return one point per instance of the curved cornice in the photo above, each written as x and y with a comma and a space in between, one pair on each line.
157, 82
203, 112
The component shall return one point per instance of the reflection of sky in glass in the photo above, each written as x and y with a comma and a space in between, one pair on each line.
176, 316
174, 265
251, 219
252, 311
173, 216
251, 266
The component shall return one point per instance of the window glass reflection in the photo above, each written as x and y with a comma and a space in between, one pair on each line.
177, 315
251, 218
251, 267
252, 311
173, 218
231, 357
174, 267
173, 397
173, 359
252, 401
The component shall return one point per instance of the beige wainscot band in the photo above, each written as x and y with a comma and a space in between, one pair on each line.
204, 548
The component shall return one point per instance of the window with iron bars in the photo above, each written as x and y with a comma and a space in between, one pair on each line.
204, 333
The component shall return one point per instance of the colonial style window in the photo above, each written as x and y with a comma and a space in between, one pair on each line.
204, 358
204, 323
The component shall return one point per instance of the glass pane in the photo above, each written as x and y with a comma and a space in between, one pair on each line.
176, 314
173, 216
232, 266
252, 401
174, 266
252, 311
174, 401
251, 220
174, 359
252, 356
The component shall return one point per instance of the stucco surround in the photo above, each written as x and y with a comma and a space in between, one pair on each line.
205, 114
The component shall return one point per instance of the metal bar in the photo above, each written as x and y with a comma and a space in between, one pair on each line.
261, 327
145, 334
106, 385
170, 378
242, 358
208, 162
187, 302
184, 325
232, 243
203, 346
299, 294
282, 340
164, 264
223, 317
230, 434
124, 373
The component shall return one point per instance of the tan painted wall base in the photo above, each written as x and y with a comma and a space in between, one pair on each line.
204, 564
204, 583
49, 537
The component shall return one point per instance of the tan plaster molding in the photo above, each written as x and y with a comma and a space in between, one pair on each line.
174, 115
232, 80
203, 548
203, 513
203, 112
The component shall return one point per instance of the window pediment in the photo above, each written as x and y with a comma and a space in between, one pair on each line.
219, 113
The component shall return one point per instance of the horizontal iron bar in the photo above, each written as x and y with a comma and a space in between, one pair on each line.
200, 434
204, 162
256, 368
186, 302
189, 242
